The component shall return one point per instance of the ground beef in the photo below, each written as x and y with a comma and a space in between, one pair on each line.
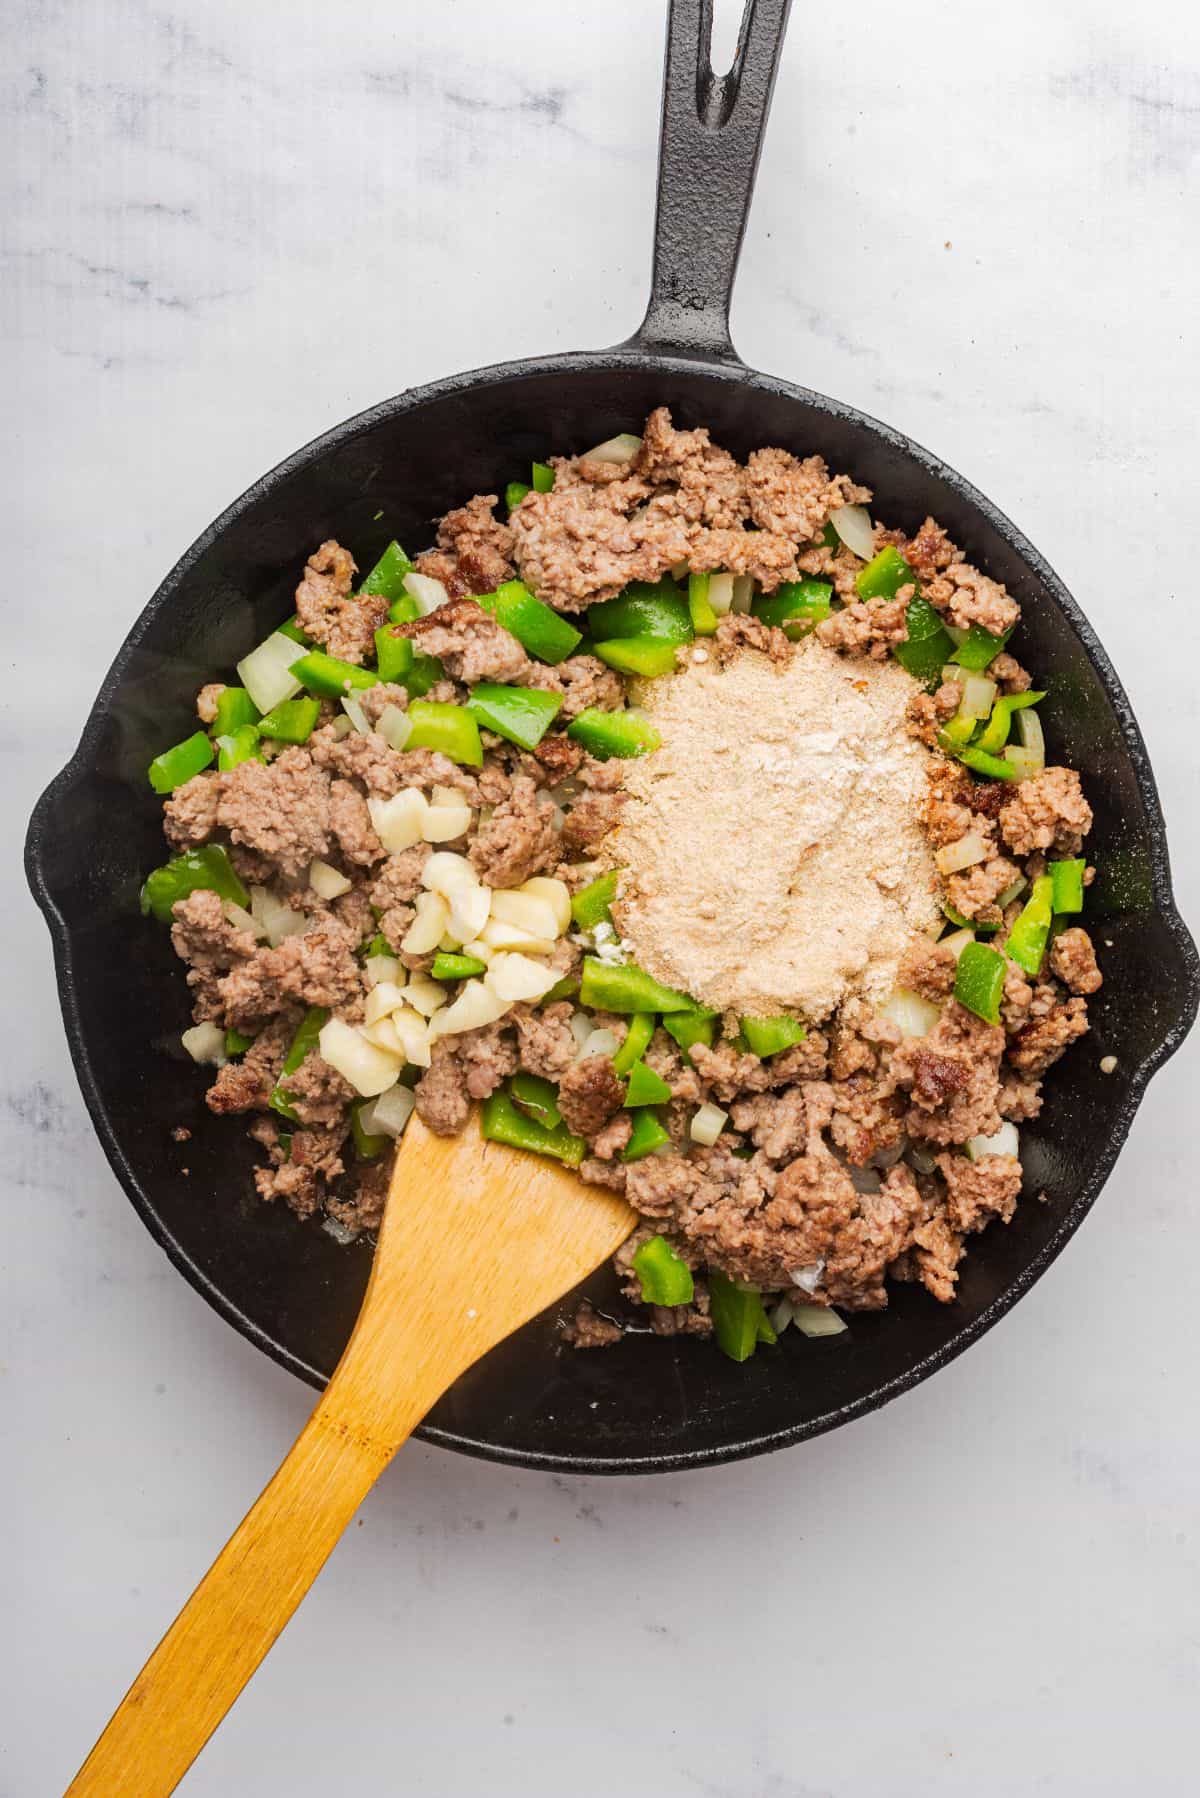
470, 644
587, 1329
518, 841
206, 702
544, 1041
936, 1252
974, 892
363, 1207
584, 682
318, 968
776, 1123
588, 1094
795, 498
486, 1057
203, 936
1053, 1025
1019, 1099
280, 809
301, 1180
867, 627
978, 1191
247, 1085
398, 881
382, 770
929, 552
590, 819
968, 597
582, 543
318, 1094
927, 712
766, 557
441, 1093
594, 1172
952, 1076
1073, 959
1047, 811
344, 622
709, 486
350, 822
556, 758
374, 701
479, 545
190, 813
929, 969
738, 631
614, 1137
1009, 675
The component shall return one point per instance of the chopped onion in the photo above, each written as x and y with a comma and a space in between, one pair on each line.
953, 675
816, 1320
400, 821
707, 1124
720, 593
446, 823
598, 1042
743, 593
325, 881
479, 949
383, 1034
385, 997
513, 977
266, 673
1029, 729
369, 1069
808, 1277
1027, 762
352, 706
581, 1027
957, 635
341, 727
428, 593
413, 1033
968, 850
911, 1013
428, 927
922, 1159
474, 1007
239, 916
780, 1316
425, 993
680, 571
1012, 892
394, 726
619, 450
378, 968
853, 525
957, 941
979, 696
526, 911
341, 1233
277, 919
1004, 1141
447, 872
496, 934
205, 1043
469, 908
554, 893
387, 1115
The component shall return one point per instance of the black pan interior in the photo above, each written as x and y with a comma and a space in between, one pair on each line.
647, 1403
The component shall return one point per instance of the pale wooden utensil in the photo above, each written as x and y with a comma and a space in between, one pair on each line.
476, 1239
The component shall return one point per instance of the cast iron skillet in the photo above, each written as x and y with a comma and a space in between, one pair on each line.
645, 1405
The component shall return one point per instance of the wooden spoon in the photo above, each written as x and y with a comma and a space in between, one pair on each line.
476, 1239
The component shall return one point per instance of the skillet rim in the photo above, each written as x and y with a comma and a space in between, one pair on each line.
732, 371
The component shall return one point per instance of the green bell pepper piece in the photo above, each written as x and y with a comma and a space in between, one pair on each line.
514, 493
643, 610
665, 1279
302, 1044
387, 577
502, 1121
978, 649
645, 1087
929, 643
767, 1036
884, 575
234, 708
977, 759
960, 729
239, 746
293, 721
367, 1146
207, 868
1066, 880
536, 626
740, 1322
644, 657
625, 988
1027, 939
448, 728
704, 619
292, 629
170, 769
403, 610
646, 1136
962, 923
523, 715
447, 966
795, 607
689, 1027
637, 1041
979, 981
378, 945
590, 904
566, 988
394, 654
537, 1097
330, 678
542, 477
994, 735
609, 734
236, 1043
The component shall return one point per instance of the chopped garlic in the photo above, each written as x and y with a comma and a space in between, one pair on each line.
325, 881
429, 927
400, 821
369, 1069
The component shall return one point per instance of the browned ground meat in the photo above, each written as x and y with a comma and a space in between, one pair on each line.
868, 627
584, 681
479, 546
589, 821
927, 712
588, 1094
738, 631
1047, 812
978, 1191
469, 643
928, 969
795, 498
952, 1076
587, 1329
441, 1093
350, 822
518, 841
968, 597
1073, 960
544, 1040
279, 808
1053, 1025
190, 812
344, 622
974, 892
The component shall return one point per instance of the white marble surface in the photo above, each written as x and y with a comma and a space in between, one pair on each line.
225, 228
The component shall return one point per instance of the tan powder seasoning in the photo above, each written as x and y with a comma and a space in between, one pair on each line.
773, 857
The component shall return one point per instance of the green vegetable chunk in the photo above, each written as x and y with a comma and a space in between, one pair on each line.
398, 661
292, 722
403, 610
542, 476
795, 607
962, 923
566, 988
646, 1136
302, 1044
367, 1147
449, 728
690, 1027
1066, 878
978, 649
704, 619
767, 1036
454, 967
626, 988
979, 981
929, 644
537, 1097
884, 575
536, 626
330, 678
590, 904
644, 657
292, 629
637, 1041
514, 493
994, 735
1027, 939
665, 1279
609, 734
208, 867
645, 1087
234, 708
387, 576
170, 769
502, 1121
393, 654
236, 1043
239, 746
739, 1320
521, 714
977, 759
644, 610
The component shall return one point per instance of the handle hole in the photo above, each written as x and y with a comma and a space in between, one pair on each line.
727, 19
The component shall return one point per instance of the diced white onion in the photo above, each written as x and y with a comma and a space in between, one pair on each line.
1027, 762
387, 1115
325, 881
399, 821
447, 873
474, 1007
514, 977
808, 1277
953, 675
469, 908
707, 1124
554, 893
352, 706
1004, 1141
383, 1034
743, 593
1012, 892
911, 1013
816, 1320
957, 941
205, 1043
853, 525
266, 673
965, 853
412, 1031
425, 994
598, 1042
496, 934
619, 450
479, 949
382, 999
446, 823
581, 1027
428, 927
529, 913
341, 1233
780, 1316
341, 727
1029, 730
428, 593
394, 727
979, 695
680, 571
277, 919
957, 635
720, 593
369, 1069
379, 968
244, 920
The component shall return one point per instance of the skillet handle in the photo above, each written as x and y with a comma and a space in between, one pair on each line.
712, 132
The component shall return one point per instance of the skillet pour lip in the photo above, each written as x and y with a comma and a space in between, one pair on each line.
1184, 969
